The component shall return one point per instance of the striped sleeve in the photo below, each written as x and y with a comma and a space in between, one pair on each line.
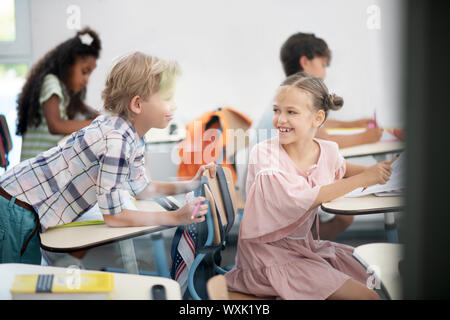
51, 86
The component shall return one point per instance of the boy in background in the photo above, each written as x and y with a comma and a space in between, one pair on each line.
305, 52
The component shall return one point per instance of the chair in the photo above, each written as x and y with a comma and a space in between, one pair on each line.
220, 195
383, 262
5, 142
217, 290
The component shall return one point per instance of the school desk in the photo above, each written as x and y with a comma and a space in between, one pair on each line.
387, 144
384, 260
74, 238
369, 204
126, 286
376, 148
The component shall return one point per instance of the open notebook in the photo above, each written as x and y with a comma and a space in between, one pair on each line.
94, 215
394, 186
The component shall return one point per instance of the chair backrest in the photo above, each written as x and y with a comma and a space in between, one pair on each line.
6, 136
5, 142
196, 247
223, 190
217, 224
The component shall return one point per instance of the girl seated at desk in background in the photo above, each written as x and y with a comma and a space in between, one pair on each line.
289, 176
98, 164
51, 104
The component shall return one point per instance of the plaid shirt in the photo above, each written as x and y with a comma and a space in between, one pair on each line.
96, 164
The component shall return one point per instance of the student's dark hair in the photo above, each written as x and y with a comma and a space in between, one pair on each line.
57, 62
302, 44
321, 98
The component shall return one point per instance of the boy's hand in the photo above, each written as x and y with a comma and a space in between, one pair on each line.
362, 122
372, 135
184, 214
212, 171
377, 174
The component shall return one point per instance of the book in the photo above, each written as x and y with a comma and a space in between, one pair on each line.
75, 285
395, 186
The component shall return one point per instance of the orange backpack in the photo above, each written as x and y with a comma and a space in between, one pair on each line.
214, 136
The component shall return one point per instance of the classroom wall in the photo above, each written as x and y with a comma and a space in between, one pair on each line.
229, 50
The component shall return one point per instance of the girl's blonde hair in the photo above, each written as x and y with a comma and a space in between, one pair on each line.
321, 98
136, 74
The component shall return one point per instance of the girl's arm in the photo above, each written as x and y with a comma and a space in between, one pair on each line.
377, 174
352, 169
347, 124
345, 141
55, 124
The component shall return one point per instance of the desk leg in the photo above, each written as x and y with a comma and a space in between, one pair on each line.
391, 227
159, 254
128, 256
380, 157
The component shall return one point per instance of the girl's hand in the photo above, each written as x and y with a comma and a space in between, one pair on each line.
372, 135
377, 174
184, 214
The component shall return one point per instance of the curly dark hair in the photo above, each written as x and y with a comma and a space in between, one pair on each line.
302, 44
57, 62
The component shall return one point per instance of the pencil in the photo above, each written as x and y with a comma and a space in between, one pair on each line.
196, 209
390, 163
168, 204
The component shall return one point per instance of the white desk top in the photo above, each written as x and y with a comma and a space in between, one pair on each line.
70, 239
379, 147
384, 259
126, 286
363, 205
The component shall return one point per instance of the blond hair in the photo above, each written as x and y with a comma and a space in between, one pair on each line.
136, 74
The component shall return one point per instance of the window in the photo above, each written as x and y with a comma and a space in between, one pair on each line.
14, 29
12, 78
14, 61
7, 21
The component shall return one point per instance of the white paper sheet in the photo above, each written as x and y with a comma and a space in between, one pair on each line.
394, 186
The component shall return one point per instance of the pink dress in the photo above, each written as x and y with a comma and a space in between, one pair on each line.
277, 255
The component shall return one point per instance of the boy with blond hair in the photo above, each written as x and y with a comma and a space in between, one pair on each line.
101, 164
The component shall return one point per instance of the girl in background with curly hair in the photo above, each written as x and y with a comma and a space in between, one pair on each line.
51, 104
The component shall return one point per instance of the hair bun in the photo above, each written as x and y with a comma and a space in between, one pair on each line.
333, 102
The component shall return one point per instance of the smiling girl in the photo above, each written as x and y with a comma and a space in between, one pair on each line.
289, 176
53, 95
